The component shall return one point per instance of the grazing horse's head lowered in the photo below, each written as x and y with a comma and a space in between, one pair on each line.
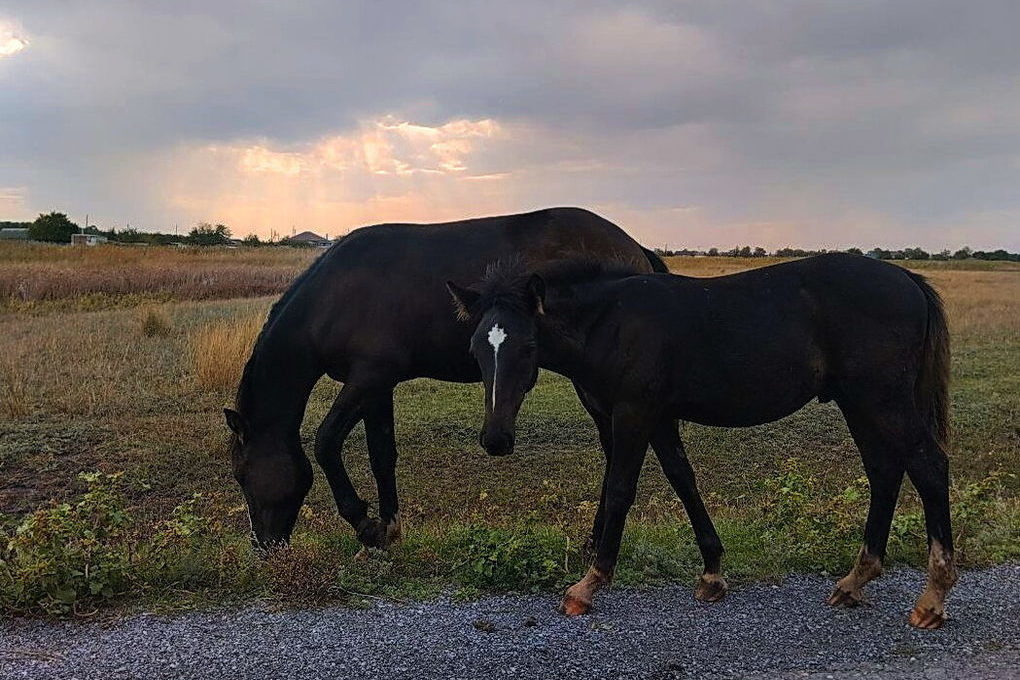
274, 485
505, 345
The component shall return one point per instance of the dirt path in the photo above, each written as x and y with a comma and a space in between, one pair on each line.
759, 631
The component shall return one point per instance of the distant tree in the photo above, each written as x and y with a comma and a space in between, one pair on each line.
713, 252
206, 234
963, 253
855, 251
943, 255
53, 227
251, 240
759, 252
131, 235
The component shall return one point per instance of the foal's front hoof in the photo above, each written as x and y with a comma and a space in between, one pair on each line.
574, 606
843, 597
711, 588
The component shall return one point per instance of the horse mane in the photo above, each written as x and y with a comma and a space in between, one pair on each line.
506, 280
271, 318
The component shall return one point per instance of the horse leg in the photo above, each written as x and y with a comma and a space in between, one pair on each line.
901, 441
329, 439
884, 469
604, 425
669, 448
382, 455
630, 442
928, 469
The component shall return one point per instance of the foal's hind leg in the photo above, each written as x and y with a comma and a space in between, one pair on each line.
928, 469
670, 450
884, 467
902, 438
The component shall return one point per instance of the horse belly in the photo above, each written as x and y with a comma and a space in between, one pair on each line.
756, 391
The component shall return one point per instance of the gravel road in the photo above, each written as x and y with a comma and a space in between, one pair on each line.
759, 631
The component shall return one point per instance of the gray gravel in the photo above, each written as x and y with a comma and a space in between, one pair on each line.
758, 631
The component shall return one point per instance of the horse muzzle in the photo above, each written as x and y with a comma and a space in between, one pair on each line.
496, 442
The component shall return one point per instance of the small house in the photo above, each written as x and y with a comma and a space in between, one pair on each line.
87, 239
13, 234
308, 238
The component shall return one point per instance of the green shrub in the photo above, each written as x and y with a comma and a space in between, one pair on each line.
816, 529
69, 552
520, 559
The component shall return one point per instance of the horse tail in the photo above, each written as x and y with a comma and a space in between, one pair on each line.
931, 391
658, 266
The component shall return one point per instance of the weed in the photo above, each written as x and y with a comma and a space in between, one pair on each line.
155, 321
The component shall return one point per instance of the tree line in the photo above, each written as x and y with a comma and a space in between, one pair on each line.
965, 253
56, 227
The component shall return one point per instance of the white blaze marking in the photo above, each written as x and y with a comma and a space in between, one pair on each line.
496, 337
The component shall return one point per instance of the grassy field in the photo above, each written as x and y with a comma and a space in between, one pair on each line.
132, 387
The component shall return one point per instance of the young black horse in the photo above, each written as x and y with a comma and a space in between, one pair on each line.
372, 312
730, 351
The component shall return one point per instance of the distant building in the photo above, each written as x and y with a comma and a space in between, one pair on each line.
13, 234
87, 239
308, 238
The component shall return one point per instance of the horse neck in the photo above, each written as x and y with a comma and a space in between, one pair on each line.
570, 314
277, 381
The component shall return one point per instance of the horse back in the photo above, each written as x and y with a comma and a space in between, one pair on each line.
379, 297
753, 347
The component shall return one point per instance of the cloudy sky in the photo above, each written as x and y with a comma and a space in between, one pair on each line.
776, 122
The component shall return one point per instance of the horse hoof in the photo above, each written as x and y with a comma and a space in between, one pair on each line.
574, 606
845, 598
927, 618
711, 588
372, 533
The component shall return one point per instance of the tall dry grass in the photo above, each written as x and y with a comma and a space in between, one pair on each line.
220, 349
14, 402
980, 305
33, 272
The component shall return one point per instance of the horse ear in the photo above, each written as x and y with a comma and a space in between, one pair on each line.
463, 299
536, 290
235, 421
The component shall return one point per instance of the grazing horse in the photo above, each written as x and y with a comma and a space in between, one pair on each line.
372, 312
730, 351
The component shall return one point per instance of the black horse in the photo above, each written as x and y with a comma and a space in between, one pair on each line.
371, 312
730, 351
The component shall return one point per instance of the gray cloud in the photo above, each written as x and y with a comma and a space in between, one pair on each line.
802, 122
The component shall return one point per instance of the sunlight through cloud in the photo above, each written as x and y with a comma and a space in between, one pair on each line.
12, 40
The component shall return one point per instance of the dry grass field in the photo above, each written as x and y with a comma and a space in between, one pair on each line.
43, 276
134, 387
